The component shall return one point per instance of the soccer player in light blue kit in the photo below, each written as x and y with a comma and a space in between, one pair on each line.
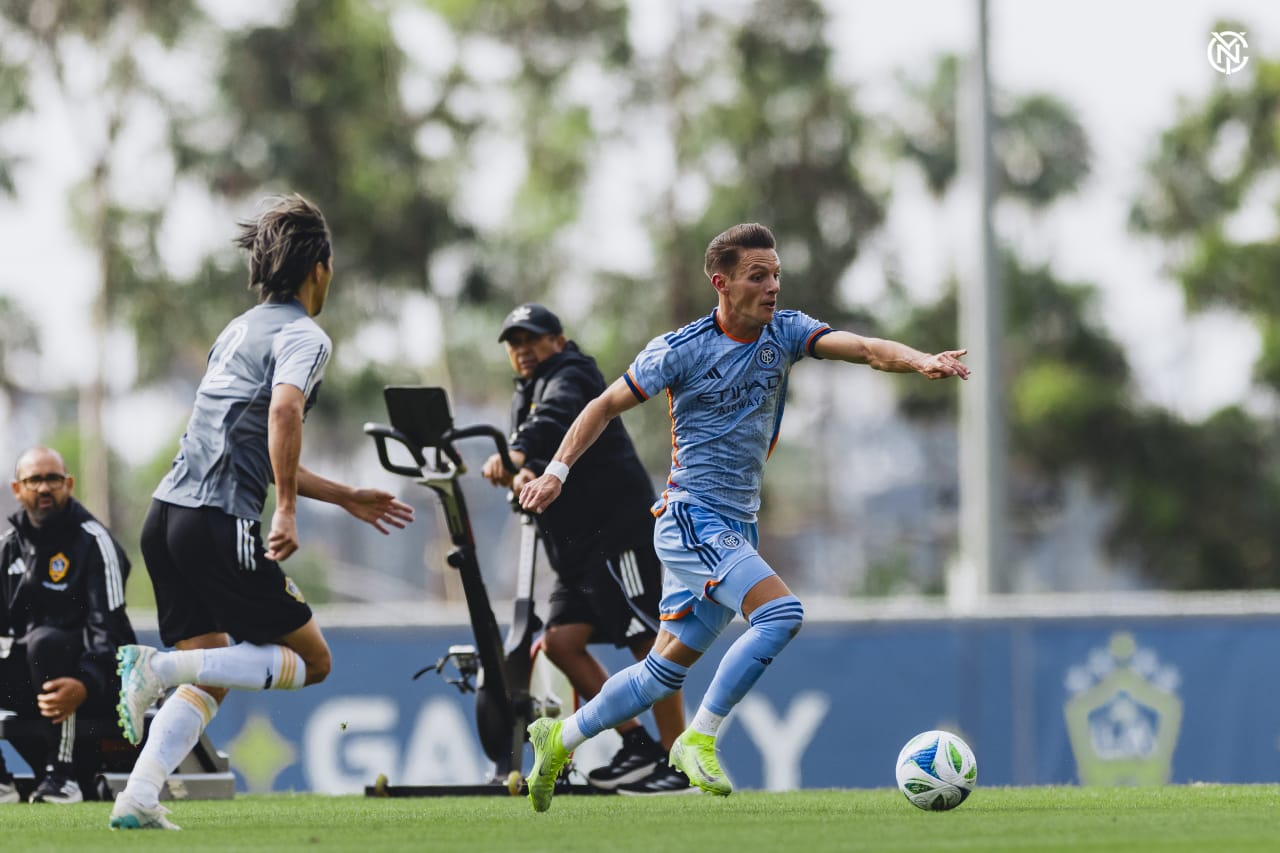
725, 378
215, 577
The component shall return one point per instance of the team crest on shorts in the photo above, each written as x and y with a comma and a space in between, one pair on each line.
729, 540
293, 590
767, 356
58, 565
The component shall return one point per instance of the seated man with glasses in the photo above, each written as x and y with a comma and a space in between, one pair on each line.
62, 617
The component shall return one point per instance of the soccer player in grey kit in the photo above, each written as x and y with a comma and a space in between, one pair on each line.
214, 579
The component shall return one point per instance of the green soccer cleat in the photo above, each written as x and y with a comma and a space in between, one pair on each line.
140, 687
128, 813
549, 755
695, 754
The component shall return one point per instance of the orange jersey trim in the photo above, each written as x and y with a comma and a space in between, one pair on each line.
725, 332
813, 339
671, 617
635, 386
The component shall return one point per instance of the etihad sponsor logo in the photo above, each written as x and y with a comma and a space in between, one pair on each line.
752, 388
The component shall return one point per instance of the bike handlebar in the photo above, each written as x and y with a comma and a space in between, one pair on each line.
381, 433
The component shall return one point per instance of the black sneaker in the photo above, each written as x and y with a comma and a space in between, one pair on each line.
638, 757
57, 786
661, 782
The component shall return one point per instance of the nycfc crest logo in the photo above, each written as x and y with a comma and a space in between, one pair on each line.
58, 565
766, 356
1124, 715
730, 540
1226, 52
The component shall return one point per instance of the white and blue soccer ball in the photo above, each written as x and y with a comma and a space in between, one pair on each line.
937, 771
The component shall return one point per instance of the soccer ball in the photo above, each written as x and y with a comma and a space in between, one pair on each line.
937, 771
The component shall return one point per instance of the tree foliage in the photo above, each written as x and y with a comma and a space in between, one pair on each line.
1193, 506
1042, 150
1213, 173
109, 38
763, 130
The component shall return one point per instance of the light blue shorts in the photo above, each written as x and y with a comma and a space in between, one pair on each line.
711, 563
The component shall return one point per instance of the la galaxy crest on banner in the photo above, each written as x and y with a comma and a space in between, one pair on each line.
1124, 716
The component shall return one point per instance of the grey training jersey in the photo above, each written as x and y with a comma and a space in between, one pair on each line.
223, 460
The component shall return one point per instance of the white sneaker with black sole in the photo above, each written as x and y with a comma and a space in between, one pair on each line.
663, 782
638, 757
9, 792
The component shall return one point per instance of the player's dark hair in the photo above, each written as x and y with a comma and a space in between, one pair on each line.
724, 251
284, 244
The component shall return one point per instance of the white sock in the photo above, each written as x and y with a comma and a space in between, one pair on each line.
174, 732
180, 667
570, 735
241, 667
706, 722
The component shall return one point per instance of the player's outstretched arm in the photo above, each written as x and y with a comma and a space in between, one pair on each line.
372, 506
538, 494
891, 356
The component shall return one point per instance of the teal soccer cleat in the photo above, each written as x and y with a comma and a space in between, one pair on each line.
695, 755
128, 813
140, 687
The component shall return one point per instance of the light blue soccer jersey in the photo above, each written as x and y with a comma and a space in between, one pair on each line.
726, 397
223, 459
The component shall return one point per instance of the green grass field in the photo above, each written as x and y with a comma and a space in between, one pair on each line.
1216, 818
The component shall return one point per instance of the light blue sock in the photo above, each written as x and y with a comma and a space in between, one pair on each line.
773, 624
628, 693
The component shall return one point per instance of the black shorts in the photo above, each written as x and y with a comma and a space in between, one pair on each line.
211, 575
616, 593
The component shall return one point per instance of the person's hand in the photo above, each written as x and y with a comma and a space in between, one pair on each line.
495, 472
522, 477
282, 541
61, 698
944, 364
538, 494
378, 508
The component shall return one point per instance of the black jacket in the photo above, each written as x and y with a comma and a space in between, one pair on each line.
68, 573
605, 502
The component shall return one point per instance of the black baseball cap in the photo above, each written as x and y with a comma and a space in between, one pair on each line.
531, 317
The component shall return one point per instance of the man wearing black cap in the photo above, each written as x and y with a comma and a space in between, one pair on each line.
598, 536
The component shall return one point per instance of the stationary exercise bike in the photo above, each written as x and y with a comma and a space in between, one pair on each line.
496, 670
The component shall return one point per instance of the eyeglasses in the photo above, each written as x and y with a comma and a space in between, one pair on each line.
54, 481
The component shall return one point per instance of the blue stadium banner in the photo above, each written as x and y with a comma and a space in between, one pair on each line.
1094, 701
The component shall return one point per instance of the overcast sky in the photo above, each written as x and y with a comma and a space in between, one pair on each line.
1123, 65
